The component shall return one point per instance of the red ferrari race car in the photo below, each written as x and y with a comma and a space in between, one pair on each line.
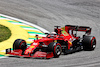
63, 40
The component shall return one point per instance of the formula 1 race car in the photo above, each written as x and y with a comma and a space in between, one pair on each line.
63, 40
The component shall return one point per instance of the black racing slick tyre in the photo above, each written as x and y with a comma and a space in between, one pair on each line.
55, 48
19, 44
89, 43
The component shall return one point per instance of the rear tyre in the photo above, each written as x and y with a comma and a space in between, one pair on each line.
89, 43
19, 44
55, 48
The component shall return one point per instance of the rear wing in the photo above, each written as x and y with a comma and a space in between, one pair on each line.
78, 28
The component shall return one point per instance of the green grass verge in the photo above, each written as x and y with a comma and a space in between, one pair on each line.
5, 33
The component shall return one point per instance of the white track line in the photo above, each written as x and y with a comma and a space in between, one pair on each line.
30, 40
39, 35
31, 29
3, 57
28, 23
19, 24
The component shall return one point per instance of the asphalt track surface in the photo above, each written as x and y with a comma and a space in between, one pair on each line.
47, 14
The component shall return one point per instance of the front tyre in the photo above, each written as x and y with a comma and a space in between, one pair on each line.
55, 48
19, 44
89, 43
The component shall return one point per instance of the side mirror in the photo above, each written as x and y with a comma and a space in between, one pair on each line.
75, 35
47, 34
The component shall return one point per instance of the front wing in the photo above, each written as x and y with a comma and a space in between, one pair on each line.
38, 54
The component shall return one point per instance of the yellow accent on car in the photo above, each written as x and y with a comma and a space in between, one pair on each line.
55, 41
70, 43
32, 46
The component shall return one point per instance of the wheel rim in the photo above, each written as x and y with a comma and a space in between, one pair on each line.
58, 50
93, 43
23, 45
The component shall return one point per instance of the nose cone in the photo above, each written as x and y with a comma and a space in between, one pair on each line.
31, 48
28, 51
